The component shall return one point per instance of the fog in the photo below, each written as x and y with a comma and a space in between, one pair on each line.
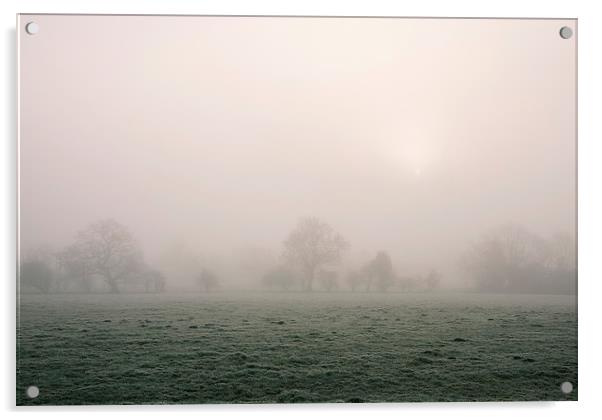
211, 138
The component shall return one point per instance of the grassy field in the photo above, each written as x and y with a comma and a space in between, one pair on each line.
295, 347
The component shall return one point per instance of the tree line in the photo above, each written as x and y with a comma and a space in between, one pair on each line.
312, 252
105, 256
511, 259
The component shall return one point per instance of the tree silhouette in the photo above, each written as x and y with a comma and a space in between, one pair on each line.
510, 259
110, 251
312, 245
379, 272
207, 280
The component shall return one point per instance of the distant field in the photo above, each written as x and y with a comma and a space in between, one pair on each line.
295, 347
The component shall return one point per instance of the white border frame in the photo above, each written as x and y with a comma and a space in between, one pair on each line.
589, 210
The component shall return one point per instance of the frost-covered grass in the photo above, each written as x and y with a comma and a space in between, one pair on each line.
295, 347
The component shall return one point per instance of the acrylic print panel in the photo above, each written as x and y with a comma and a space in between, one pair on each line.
296, 209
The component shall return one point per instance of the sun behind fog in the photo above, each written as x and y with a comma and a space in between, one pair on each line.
414, 157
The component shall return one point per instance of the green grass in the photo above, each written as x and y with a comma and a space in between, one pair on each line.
295, 347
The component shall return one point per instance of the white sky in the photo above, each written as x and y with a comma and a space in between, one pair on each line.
408, 135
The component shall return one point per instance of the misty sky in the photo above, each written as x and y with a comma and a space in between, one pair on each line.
408, 135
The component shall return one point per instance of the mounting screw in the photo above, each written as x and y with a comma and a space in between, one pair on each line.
566, 32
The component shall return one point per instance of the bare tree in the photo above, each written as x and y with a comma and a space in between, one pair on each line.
110, 251
561, 252
379, 272
312, 245
511, 259
207, 280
